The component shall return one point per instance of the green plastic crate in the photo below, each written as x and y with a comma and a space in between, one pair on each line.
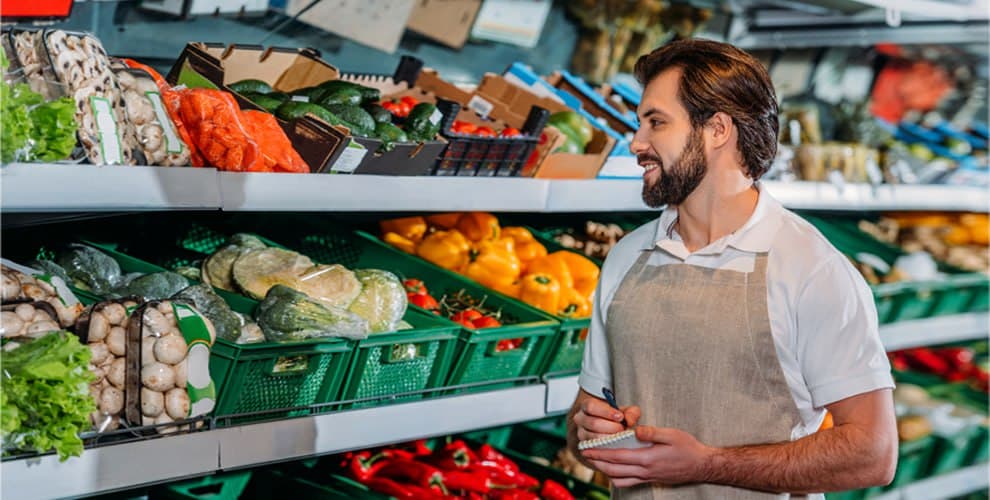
913, 461
476, 360
952, 452
979, 449
393, 363
960, 292
228, 486
283, 484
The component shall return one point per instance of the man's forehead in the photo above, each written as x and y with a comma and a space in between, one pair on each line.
660, 94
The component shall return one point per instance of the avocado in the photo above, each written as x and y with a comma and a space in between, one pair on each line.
250, 85
266, 101
291, 110
311, 93
348, 96
423, 122
368, 94
380, 114
358, 120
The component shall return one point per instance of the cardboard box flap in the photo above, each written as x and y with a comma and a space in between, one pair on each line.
404, 77
446, 21
285, 69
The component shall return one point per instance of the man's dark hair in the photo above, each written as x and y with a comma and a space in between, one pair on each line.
719, 77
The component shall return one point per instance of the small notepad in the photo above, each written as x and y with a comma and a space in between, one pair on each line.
624, 439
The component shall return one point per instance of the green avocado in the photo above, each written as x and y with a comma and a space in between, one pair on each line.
250, 85
380, 114
266, 101
423, 122
292, 110
358, 120
368, 94
347, 96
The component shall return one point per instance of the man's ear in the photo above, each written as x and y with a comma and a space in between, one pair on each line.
719, 129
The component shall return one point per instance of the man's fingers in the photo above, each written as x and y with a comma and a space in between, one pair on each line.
654, 434
632, 414
598, 408
625, 482
597, 425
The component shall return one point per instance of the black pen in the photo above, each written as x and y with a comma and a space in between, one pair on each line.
610, 397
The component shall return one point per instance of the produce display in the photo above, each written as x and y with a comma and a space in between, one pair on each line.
957, 239
104, 328
596, 241
576, 129
18, 286
33, 128
160, 141
952, 364
507, 260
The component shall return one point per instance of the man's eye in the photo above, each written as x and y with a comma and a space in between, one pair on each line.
655, 123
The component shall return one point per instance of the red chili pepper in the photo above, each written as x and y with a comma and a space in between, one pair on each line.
925, 360
501, 475
956, 355
363, 465
424, 301
552, 490
420, 449
401, 491
418, 473
486, 322
454, 455
476, 481
487, 452
510, 132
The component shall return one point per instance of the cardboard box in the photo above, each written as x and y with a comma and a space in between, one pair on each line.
375, 23
317, 142
446, 21
593, 103
512, 98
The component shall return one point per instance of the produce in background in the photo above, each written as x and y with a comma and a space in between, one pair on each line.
569, 464
48, 288
957, 239
103, 327
33, 128
511, 261
596, 241
577, 131
23, 322
452, 469
212, 118
953, 364
30, 61
287, 315
159, 139
44, 403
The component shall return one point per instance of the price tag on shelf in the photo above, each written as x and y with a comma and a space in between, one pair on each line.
350, 159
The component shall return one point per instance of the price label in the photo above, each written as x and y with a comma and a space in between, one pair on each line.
172, 142
106, 126
350, 158
481, 106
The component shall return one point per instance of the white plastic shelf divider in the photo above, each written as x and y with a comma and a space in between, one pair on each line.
934, 331
249, 445
101, 188
373, 193
561, 393
113, 467
956, 483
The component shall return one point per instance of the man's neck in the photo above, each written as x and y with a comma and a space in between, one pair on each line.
716, 210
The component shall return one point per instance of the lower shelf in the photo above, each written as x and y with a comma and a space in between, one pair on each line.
960, 482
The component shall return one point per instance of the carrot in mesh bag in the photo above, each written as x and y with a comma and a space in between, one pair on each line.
277, 152
213, 119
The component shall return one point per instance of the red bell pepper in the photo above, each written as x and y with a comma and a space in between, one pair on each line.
552, 490
401, 491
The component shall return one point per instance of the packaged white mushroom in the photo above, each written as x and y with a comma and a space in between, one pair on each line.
168, 364
156, 134
21, 283
30, 59
79, 62
103, 327
25, 321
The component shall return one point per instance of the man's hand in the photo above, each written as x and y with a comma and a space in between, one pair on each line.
676, 457
592, 417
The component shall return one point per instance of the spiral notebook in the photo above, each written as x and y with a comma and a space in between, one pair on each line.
624, 439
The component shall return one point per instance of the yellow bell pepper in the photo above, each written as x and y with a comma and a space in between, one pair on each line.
583, 270
527, 248
494, 264
447, 249
410, 228
553, 265
540, 290
397, 241
478, 226
508, 289
573, 304
444, 221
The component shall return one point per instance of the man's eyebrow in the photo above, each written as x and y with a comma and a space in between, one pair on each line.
650, 112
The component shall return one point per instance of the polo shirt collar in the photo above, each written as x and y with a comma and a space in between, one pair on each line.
756, 235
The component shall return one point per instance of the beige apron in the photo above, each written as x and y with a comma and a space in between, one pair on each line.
691, 346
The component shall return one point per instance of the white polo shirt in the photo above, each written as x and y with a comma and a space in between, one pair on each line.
822, 315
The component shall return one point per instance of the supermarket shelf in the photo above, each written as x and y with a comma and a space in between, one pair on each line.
112, 467
561, 393
934, 331
957, 483
99, 188
88, 188
248, 445
372, 193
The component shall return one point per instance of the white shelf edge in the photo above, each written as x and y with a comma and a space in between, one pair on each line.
248, 445
935, 330
111, 468
960, 482
561, 393
99, 188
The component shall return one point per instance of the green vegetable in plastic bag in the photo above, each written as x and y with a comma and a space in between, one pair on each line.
153, 286
190, 272
382, 300
91, 269
44, 397
247, 240
225, 321
289, 316
50, 268
32, 129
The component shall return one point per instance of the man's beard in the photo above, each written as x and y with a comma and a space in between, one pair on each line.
680, 179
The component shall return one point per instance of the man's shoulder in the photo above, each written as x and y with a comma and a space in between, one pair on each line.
625, 252
799, 247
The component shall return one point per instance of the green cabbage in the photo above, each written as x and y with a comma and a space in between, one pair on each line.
287, 315
382, 300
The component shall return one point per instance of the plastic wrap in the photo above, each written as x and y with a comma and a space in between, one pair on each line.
226, 322
287, 315
382, 300
91, 269
212, 118
27, 284
276, 150
157, 135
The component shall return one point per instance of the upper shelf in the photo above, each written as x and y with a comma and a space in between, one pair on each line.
87, 188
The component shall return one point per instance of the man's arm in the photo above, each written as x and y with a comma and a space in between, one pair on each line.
860, 451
